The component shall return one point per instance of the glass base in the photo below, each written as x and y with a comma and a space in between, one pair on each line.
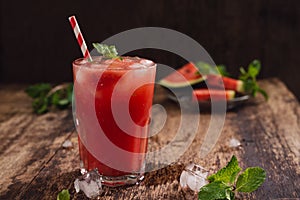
132, 179
115, 181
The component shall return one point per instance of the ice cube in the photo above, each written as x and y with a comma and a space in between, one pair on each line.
67, 144
183, 179
136, 66
195, 182
146, 62
89, 183
234, 142
193, 177
83, 171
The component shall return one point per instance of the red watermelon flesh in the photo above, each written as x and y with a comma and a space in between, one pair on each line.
186, 75
229, 83
207, 94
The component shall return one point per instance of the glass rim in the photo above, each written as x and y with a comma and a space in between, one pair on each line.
78, 62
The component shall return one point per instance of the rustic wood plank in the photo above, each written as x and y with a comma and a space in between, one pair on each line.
268, 131
28, 141
271, 134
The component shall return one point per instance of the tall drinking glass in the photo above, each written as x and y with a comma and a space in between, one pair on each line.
113, 99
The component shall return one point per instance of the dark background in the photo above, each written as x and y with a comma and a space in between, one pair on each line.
37, 43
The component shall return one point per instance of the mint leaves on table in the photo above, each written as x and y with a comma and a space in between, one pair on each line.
215, 190
250, 179
37, 90
63, 195
106, 51
249, 79
227, 174
226, 182
45, 96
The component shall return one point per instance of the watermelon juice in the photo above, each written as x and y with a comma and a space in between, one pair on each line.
113, 99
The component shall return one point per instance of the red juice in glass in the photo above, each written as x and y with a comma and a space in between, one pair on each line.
113, 99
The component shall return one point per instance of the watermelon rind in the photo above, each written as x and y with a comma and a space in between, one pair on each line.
230, 94
240, 86
186, 83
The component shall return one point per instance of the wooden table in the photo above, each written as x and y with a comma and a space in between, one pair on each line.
34, 165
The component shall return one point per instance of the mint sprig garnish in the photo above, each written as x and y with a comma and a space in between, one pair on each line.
63, 195
249, 78
226, 182
106, 51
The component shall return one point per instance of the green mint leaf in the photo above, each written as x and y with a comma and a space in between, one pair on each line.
205, 68
264, 93
249, 86
106, 51
249, 78
40, 105
243, 71
63, 195
61, 96
63, 102
55, 97
215, 190
254, 68
227, 174
244, 75
222, 70
37, 90
250, 179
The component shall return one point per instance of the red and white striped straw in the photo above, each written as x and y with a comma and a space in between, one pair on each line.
79, 37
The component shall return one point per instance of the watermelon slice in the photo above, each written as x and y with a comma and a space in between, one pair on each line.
206, 94
185, 76
229, 83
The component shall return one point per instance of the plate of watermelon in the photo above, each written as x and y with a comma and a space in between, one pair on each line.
212, 83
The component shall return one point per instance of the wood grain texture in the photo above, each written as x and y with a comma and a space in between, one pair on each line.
35, 166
